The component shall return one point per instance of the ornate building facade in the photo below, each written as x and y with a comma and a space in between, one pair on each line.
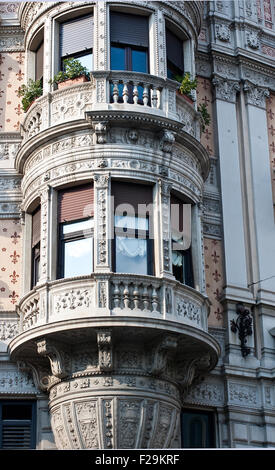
120, 328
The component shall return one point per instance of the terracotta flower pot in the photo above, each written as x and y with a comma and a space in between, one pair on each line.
72, 81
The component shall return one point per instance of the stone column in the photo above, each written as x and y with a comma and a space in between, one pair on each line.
231, 190
164, 236
101, 43
255, 98
45, 195
47, 65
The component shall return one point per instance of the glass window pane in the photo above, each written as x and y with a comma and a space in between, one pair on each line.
139, 61
78, 226
131, 255
130, 222
117, 58
78, 257
86, 61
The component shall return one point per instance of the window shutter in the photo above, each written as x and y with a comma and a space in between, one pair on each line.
76, 203
174, 49
131, 193
39, 62
76, 35
16, 435
36, 226
129, 29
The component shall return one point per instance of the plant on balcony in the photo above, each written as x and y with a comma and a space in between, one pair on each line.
186, 84
30, 92
73, 72
205, 115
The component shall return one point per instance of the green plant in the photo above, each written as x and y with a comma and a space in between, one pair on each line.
72, 69
30, 92
205, 115
187, 84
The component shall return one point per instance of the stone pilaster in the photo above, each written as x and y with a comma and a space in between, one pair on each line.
45, 195
102, 223
164, 190
101, 35
47, 66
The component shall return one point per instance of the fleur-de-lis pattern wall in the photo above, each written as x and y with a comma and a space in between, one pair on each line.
10, 263
11, 80
213, 256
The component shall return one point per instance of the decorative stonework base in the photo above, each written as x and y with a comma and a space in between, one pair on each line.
109, 412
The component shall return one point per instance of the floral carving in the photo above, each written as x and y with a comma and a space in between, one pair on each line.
73, 299
188, 309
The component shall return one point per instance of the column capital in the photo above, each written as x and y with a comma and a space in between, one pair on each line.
225, 89
255, 95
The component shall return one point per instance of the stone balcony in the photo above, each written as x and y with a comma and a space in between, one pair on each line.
111, 91
100, 298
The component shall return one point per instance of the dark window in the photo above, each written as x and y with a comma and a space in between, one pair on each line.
17, 425
181, 255
76, 40
76, 229
174, 51
39, 62
197, 429
133, 245
36, 230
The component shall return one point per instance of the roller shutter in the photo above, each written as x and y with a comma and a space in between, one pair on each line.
129, 29
76, 203
76, 35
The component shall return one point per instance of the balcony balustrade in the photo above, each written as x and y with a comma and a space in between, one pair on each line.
114, 91
114, 295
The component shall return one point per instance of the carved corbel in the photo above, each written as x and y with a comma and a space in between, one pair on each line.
192, 372
225, 89
41, 376
161, 353
101, 129
255, 95
57, 356
105, 350
167, 140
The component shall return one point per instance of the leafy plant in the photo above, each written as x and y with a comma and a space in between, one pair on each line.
72, 69
30, 92
187, 84
205, 115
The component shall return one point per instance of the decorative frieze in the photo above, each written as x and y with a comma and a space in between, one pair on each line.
8, 330
16, 382
242, 394
73, 299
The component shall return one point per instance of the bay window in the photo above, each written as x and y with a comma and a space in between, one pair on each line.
76, 228
133, 244
76, 40
181, 249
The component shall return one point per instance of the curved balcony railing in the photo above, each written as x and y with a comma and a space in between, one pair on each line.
111, 90
109, 295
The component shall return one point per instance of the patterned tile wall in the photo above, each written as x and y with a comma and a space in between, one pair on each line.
10, 263
11, 80
213, 253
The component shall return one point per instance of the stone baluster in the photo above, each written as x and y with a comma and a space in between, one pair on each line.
145, 298
135, 93
136, 297
154, 97
145, 95
154, 299
116, 294
126, 295
125, 93
115, 91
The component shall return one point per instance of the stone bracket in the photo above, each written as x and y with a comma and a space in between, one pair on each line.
41, 375
161, 353
56, 354
105, 350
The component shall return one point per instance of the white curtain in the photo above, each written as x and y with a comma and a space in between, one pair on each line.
131, 247
177, 258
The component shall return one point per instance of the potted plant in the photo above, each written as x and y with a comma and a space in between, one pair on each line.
30, 92
74, 72
205, 115
186, 86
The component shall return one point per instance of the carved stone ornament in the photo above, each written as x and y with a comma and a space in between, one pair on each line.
105, 354
57, 356
167, 140
161, 354
101, 129
255, 95
223, 32
252, 39
225, 89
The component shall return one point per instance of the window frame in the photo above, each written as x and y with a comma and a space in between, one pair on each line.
70, 237
135, 233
